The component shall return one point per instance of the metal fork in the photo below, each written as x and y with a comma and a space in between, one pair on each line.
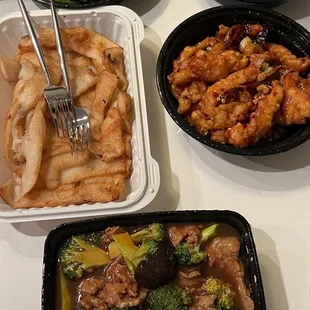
59, 98
80, 135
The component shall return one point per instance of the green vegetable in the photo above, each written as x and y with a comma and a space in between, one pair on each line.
78, 256
146, 248
168, 297
65, 295
266, 68
154, 232
189, 255
132, 254
225, 298
94, 238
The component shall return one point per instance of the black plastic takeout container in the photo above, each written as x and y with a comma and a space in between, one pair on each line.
282, 30
247, 251
79, 4
264, 3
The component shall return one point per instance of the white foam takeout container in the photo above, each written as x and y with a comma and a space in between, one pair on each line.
125, 28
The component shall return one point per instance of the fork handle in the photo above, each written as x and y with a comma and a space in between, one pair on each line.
60, 47
35, 41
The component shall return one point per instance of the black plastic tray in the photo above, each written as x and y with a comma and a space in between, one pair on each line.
247, 251
282, 30
78, 5
264, 3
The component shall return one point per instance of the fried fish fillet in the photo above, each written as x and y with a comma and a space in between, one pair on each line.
114, 62
51, 169
92, 168
76, 39
27, 93
45, 174
32, 146
53, 65
112, 144
105, 89
73, 194
9, 69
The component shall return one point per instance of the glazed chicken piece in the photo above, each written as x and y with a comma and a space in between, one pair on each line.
219, 136
234, 105
287, 58
191, 95
242, 135
209, 67
210, 44
296, 105
218, 89
222, 117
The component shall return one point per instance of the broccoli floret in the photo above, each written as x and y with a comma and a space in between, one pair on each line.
189, 255
94, 238
168, 297
132, 254
154, 232
146, 248
225, 297
77, 256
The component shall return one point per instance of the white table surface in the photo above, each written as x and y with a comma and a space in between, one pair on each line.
271, 192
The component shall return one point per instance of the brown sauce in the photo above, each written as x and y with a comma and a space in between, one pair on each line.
205, 270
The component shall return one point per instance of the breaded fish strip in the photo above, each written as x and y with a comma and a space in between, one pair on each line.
287, 58
242, 135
